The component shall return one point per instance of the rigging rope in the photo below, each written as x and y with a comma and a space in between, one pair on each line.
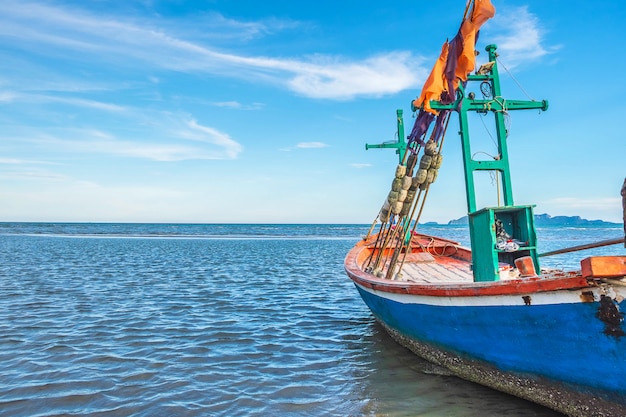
432, 150
513, 78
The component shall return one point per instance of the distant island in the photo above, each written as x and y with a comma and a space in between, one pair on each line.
545, 220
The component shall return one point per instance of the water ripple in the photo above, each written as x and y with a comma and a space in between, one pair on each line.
203, 327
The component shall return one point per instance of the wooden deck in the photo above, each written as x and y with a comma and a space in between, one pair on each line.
436, 270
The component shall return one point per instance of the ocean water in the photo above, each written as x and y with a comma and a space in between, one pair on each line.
215, 320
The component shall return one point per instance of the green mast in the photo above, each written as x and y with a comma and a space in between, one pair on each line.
488, 225
497, 105
400, 145
499, 235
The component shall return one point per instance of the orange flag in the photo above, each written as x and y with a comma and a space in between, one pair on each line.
483, 10
435, 84
461, 64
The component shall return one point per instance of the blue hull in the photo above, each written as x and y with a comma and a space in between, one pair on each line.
563, 347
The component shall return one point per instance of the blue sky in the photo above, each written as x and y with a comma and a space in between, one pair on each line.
258, 112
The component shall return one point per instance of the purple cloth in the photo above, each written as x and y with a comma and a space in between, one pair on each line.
440, 125
422, 123
421, 126
454, 50
424, 119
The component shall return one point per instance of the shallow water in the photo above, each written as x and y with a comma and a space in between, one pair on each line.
211, 320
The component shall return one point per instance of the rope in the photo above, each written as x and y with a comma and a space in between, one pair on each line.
513, 78
410, 218
467, 7
368, 262
369, 232
488, 132
495, 178
500, 100
398, 237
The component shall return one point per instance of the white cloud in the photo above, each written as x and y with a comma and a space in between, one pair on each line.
7, 96
36, 175
173, 138
229, 147
12, 161
225, 28
521, 36
17, 161
311, 145
79, 103
383, 74
77, 35
237, 105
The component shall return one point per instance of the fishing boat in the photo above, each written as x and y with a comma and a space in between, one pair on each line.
490, 313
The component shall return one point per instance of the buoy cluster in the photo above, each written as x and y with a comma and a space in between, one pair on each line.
404, 185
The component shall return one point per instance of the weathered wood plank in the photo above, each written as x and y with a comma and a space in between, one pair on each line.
438, 272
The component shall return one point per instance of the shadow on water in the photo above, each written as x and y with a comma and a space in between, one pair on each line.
400, 383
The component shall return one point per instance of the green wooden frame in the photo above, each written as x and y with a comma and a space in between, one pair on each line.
485, 257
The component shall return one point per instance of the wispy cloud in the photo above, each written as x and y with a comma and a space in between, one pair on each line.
229, 148
519, 36
17, 161
311, 145
73, 101
73, 34
386, 73
11, 161
225, 28
174, 138
7, 97
356, 165
32, 175
305, 145
237, 105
